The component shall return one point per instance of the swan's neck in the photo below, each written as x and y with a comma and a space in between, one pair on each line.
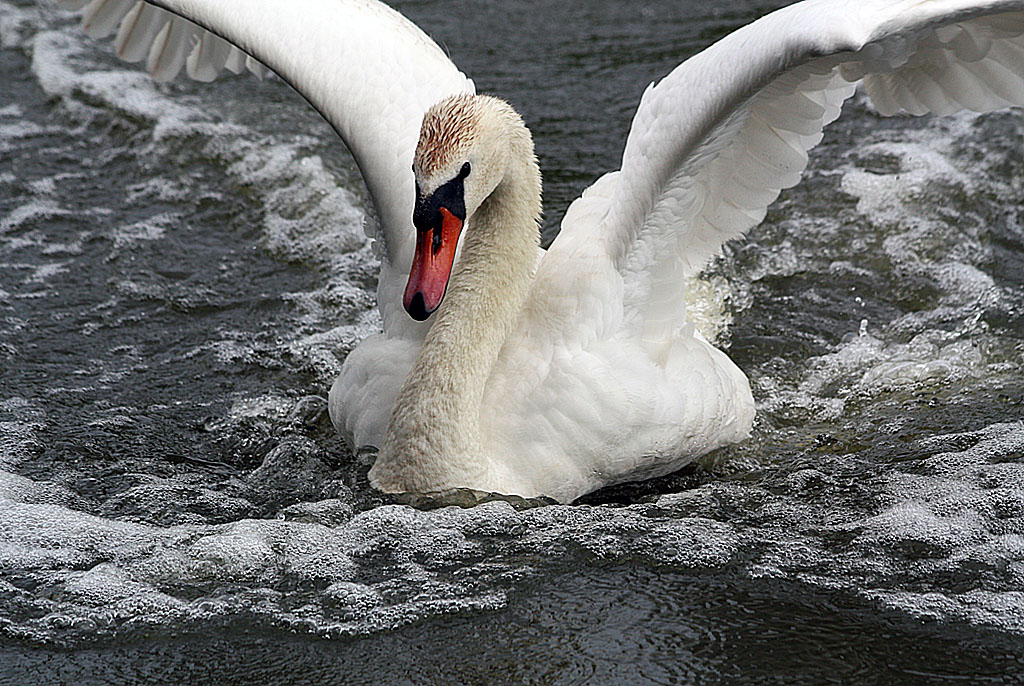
433, 440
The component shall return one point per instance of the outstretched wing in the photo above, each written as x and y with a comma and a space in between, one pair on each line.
715, 141
367, 69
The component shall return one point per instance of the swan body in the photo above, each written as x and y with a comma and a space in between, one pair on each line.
502, 367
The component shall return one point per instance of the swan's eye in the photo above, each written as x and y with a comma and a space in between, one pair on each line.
464, 172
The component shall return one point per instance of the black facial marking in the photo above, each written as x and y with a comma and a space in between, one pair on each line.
418, 308
435, 241
426, 216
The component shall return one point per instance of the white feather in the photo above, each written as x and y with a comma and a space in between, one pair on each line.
208, 57
138, 30
101, 16
170, 49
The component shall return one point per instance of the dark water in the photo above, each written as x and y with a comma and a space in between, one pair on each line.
183, 269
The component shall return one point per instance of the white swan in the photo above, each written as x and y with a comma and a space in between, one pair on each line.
557, 373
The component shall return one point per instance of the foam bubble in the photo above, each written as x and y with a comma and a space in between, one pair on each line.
30, 213
17, 24
13, 134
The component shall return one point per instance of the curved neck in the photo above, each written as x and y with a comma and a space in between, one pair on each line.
433, 440
486, 291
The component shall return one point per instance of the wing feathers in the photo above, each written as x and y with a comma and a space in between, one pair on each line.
102, 16
167, 42
138, 30
369, 71
170, 49
236, 60
714, 142
1000, 79
209, 56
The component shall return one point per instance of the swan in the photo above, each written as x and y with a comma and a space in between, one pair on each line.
505, 368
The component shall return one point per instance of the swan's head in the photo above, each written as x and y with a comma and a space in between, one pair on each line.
460, 159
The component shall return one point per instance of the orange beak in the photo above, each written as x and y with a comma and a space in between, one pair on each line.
432, 266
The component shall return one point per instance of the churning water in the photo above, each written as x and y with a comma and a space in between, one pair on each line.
183, 269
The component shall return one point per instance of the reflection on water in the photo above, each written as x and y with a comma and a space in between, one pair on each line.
182, 274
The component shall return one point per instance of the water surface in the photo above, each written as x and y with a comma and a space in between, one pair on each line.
183, 269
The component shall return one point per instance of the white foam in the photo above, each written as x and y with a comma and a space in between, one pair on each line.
308, 216
53, 57
164, 189
915, 198
886, 197
18, 436
265, 406
393, 565
12, 134
170, 501
865, 366
152, 228
30, 213
707, 305
910, 205
913, 529
1003, 611
16, 25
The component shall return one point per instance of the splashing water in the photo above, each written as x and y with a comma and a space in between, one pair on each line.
181, 275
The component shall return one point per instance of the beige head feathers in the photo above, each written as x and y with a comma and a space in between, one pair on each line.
449, 130
475, 128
